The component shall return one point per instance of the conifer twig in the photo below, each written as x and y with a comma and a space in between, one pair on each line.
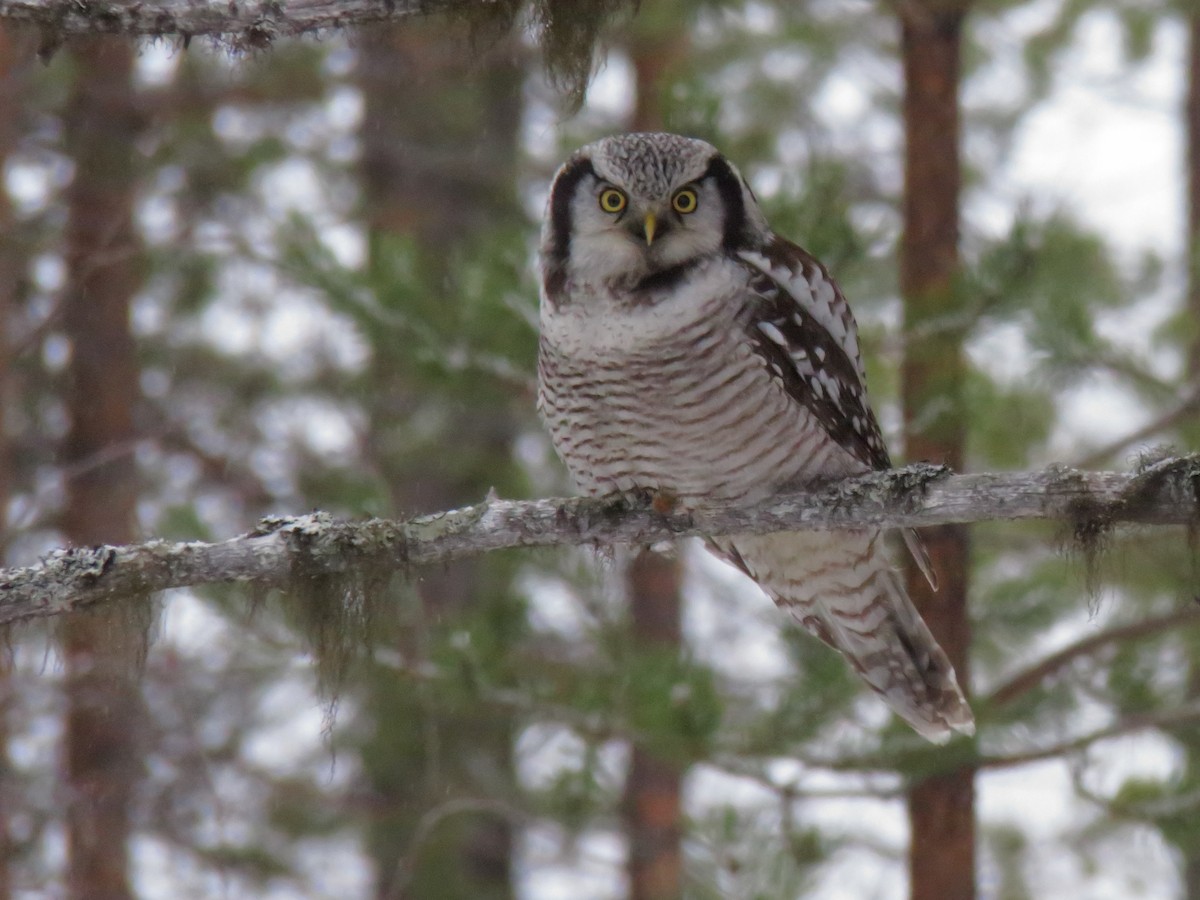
1028, 679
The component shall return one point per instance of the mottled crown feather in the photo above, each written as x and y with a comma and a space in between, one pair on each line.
649, 164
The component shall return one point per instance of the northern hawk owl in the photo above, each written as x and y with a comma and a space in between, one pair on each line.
687, 349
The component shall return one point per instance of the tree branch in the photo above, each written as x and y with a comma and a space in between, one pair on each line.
1028, 679
1134, 722
252, 24
285, 550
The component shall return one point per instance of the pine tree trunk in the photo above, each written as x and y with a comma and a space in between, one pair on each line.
101, 752
15, 52
1191, 738
652, 813
1192, 127
438, 168
653, 802
941, 807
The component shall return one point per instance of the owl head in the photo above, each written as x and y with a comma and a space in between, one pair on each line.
640, 208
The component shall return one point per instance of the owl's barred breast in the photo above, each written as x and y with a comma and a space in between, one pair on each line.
670, 395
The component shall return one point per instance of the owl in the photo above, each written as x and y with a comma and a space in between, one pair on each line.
688, 350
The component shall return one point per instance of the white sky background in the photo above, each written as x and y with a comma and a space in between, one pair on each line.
1107, 145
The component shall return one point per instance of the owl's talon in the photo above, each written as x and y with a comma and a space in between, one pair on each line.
664, 502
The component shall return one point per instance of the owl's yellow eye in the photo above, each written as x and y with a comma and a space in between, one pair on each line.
612, 200
685, 201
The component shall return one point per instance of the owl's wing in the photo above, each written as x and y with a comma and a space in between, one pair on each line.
802, 327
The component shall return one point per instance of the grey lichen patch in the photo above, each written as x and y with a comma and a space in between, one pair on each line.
1147, 458
119, 634
1158, 471
84, 563
337, 588
908, 485
1091, 521
886, 488
436, 526
68, 570
568, 31
336, 615
1161, 481
262, 32
122, 625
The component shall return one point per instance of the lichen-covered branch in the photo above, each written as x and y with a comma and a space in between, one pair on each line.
566, 33
250, 24
285, 550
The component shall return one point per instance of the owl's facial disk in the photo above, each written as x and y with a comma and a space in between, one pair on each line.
635, 234
632, 207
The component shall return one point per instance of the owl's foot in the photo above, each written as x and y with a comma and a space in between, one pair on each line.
664, 502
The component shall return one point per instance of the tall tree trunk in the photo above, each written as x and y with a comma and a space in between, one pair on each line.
1192, 126
1191, 738
941, 807
10, 60
102, 648
653, 803
15, 53
438, 169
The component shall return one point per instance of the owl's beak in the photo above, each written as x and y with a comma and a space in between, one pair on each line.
649, 224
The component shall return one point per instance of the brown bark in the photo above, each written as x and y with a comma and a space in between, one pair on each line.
941, 807
10, 60
1192, 125
652, 808
15, 54
438, 169
653, 802
1191, 738
101, 754
438, 162
655, 49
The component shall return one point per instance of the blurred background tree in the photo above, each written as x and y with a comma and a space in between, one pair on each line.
230, 287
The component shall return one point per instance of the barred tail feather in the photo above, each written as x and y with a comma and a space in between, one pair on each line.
841, 587
916, 548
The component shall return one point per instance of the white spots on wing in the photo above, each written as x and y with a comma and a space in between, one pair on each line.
820, 351
831, 385
773, 333
758, 261
822, 289
815, 295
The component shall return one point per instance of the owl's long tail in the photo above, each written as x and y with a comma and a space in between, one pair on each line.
841, 587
